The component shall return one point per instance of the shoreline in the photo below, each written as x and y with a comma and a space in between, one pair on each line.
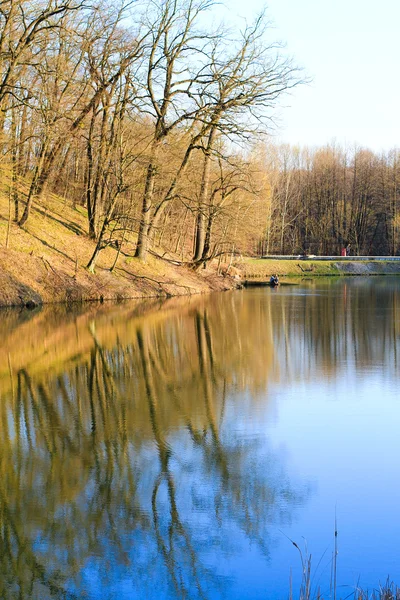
45, 262
30, 281
263, 268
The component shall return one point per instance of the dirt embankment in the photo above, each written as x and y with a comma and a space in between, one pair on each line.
29, 280
46, 262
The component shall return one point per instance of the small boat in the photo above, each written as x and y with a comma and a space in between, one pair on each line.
264, 283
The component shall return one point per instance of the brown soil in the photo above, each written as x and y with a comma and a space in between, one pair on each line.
46, 262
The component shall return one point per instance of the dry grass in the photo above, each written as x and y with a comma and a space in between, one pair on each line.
309, 591
45, 261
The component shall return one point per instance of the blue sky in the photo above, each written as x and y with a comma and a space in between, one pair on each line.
351, 50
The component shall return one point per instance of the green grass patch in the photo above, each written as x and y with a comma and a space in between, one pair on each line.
262, 268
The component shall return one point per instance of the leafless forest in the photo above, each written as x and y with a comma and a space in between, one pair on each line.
156, 117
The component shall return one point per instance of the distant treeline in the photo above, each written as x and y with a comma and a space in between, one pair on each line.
324, 199
153, 115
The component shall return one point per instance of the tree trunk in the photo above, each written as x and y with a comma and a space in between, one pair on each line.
158, 212
35, 187
207, 238
89, 179
14, 162
99, 246
205, 183
143, 236
98, 188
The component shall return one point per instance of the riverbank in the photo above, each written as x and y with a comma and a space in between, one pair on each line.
34, 279
260, 268
45, 262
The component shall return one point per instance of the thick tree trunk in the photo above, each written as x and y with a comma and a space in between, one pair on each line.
92, 262
207, 237
143, 236
14, 167
205, 184
36, 187
91, 209
98, 188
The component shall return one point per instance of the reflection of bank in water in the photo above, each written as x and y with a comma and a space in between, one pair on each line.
310, 328
137, 437
56, 339
128, 451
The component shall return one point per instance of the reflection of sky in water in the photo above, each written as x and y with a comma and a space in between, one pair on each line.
301, 422
229, 561
343, 437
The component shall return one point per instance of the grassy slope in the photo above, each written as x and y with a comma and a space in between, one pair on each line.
46, 261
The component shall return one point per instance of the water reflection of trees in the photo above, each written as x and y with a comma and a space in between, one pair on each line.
118, 453
321, 330
123, 465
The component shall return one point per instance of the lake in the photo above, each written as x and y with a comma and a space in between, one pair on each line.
176, 450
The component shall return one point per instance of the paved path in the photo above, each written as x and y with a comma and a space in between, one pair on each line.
335, 258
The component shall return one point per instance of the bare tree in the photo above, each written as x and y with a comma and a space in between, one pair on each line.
174, 74
105, 73
23, 24
114, 175
240, 92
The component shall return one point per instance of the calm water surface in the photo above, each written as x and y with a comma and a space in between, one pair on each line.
174, 451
